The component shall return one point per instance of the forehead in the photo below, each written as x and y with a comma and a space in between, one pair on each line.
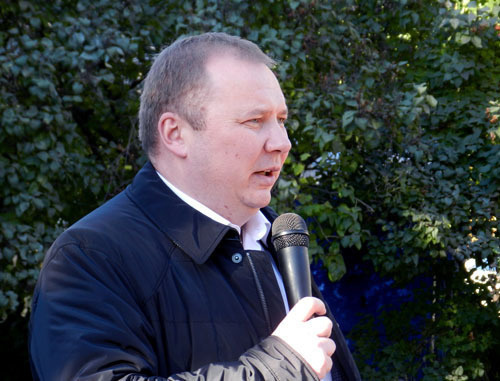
243, 84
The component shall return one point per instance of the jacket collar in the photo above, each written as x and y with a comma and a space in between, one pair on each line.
196, 234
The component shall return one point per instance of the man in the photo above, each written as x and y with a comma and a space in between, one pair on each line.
175, 277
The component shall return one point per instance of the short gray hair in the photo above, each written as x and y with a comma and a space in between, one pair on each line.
177, 81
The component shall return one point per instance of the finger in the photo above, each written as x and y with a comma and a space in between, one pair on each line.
306, 308
327, 367
320, 326
328, 346
321, 364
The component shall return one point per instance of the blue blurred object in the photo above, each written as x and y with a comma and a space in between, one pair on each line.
359, 293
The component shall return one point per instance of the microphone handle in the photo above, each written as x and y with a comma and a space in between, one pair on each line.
294, 268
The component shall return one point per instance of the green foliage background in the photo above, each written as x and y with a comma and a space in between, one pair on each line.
395, 125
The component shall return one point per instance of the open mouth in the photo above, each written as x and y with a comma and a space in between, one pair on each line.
266, 173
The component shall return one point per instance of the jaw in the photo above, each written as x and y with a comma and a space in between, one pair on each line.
257, 199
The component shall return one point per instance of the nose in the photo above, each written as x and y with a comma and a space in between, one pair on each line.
278, 139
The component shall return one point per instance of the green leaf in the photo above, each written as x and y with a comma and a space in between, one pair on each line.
79, 38
348, 117
463, 39
335, 265
431, 100
454, 23
361, 123
421, 88
476, 41
22, 207
305, 156
77, 88
298, 169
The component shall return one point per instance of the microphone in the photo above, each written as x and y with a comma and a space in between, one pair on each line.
290, 238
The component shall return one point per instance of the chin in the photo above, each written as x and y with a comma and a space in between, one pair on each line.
259, 201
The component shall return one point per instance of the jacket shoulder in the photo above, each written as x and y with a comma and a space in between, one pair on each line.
117, 234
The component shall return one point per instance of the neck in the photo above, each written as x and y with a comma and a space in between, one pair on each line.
216, 208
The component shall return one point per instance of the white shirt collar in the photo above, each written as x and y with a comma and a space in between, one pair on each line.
256, 229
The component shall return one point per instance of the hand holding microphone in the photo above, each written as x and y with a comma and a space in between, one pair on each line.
306, 334
309, 337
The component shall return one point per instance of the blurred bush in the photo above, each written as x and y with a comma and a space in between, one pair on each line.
394, 118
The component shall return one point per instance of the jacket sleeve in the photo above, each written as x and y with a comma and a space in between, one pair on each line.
86, 324
271, 359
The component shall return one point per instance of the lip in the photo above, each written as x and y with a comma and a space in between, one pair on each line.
272, 170
269, 179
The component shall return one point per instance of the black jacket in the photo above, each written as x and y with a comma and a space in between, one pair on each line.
147, 287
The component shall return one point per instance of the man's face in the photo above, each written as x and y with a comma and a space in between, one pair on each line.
235, 161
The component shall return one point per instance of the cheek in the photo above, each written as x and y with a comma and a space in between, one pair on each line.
242, 148
283, 157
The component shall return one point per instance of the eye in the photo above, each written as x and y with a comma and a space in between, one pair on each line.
282, 121
255, 122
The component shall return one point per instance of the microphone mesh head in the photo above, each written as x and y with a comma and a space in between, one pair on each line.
297, 228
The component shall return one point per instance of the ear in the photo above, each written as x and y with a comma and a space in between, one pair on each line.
171, 133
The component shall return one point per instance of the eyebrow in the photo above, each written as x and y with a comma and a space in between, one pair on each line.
263, 111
